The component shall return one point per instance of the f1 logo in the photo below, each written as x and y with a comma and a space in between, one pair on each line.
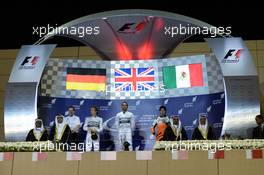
29, 60
133, 27
233, 52
126, 27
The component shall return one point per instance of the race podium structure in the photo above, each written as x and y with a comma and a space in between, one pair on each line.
134, 46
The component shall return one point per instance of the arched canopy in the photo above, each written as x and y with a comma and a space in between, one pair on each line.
129, 34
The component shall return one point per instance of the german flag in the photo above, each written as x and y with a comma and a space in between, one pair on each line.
86, 79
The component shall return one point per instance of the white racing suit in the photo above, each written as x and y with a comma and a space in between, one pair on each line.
95, 123
125, 123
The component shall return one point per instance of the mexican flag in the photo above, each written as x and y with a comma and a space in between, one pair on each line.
183, 76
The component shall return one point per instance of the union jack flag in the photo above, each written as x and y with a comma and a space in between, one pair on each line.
134, 79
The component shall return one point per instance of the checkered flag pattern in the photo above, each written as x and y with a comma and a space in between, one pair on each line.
215, 76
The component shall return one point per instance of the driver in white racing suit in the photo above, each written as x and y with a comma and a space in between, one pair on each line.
125, 123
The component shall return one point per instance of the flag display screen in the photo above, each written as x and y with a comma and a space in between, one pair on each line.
183, 76
127, 79
85, 79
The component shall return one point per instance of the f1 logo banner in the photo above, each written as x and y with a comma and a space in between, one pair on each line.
22, 89
30, 63
233, 56
241, 85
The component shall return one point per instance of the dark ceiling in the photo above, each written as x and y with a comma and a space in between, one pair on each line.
17, 21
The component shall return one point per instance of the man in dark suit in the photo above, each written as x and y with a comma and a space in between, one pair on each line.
60, 132
203, 131
258, 132
38, 133
177, 128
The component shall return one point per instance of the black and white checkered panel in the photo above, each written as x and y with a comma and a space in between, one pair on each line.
214, 74
53, 82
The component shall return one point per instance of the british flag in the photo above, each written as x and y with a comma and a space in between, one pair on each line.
134, 79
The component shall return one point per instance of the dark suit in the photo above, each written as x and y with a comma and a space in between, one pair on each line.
198, 136
31, 137
169, 135
65, 136
184, 135
258, 133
